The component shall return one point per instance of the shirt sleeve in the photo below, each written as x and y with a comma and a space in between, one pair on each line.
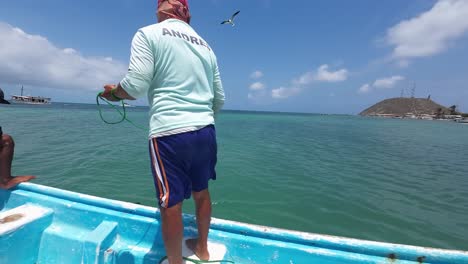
141, 69
218, 101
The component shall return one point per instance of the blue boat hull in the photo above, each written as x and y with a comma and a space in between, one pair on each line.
44, 225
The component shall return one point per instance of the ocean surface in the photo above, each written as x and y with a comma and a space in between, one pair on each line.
399, 181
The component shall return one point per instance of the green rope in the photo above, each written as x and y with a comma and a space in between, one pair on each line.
123, 113
200, 261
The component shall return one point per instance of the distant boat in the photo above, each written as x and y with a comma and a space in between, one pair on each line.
26, 99
128, 105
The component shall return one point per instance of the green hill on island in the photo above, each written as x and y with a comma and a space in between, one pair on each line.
401, 106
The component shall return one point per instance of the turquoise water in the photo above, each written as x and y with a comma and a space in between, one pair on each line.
399, 181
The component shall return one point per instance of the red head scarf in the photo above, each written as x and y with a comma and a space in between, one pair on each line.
178, 9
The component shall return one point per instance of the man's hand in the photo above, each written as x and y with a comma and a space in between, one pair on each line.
107, 93
117, 95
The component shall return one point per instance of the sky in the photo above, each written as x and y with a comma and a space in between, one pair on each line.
321, 56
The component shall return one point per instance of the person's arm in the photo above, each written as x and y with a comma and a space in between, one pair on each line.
219, 97
1, 138
7, 181
140, 72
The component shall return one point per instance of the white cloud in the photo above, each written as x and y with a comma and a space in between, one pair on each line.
431, 32
34, 60
297, 85
283, 93
70, 51
256, 75
259, 96
384, 83
324, 75
257, 86
403, 63
305, 79
365, 88
389, 82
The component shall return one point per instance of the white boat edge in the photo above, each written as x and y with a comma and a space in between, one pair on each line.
366, 247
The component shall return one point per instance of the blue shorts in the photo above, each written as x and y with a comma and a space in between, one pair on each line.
182, 164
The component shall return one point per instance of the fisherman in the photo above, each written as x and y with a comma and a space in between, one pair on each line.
7, 147
178, 72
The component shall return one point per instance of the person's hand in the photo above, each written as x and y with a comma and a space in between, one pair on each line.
107, 93
11, 182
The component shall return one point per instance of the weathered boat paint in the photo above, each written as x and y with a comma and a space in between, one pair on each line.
45, 225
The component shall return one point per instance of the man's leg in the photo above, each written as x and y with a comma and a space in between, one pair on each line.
173, 232
7, 147
203, 212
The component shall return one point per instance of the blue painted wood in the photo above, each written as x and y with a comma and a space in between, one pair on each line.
20, 244
99, 241
86, 229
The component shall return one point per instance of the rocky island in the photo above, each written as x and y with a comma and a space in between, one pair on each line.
416, 108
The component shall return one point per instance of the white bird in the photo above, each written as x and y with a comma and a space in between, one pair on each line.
231, 20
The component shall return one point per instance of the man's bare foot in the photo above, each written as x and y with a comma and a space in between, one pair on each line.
201, 251
13, 181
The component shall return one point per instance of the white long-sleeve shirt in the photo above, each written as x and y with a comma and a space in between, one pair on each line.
178, 71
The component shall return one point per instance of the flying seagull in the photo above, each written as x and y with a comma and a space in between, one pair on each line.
231, 20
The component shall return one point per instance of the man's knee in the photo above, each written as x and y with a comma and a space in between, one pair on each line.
201, 196
7, 141
175, 210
